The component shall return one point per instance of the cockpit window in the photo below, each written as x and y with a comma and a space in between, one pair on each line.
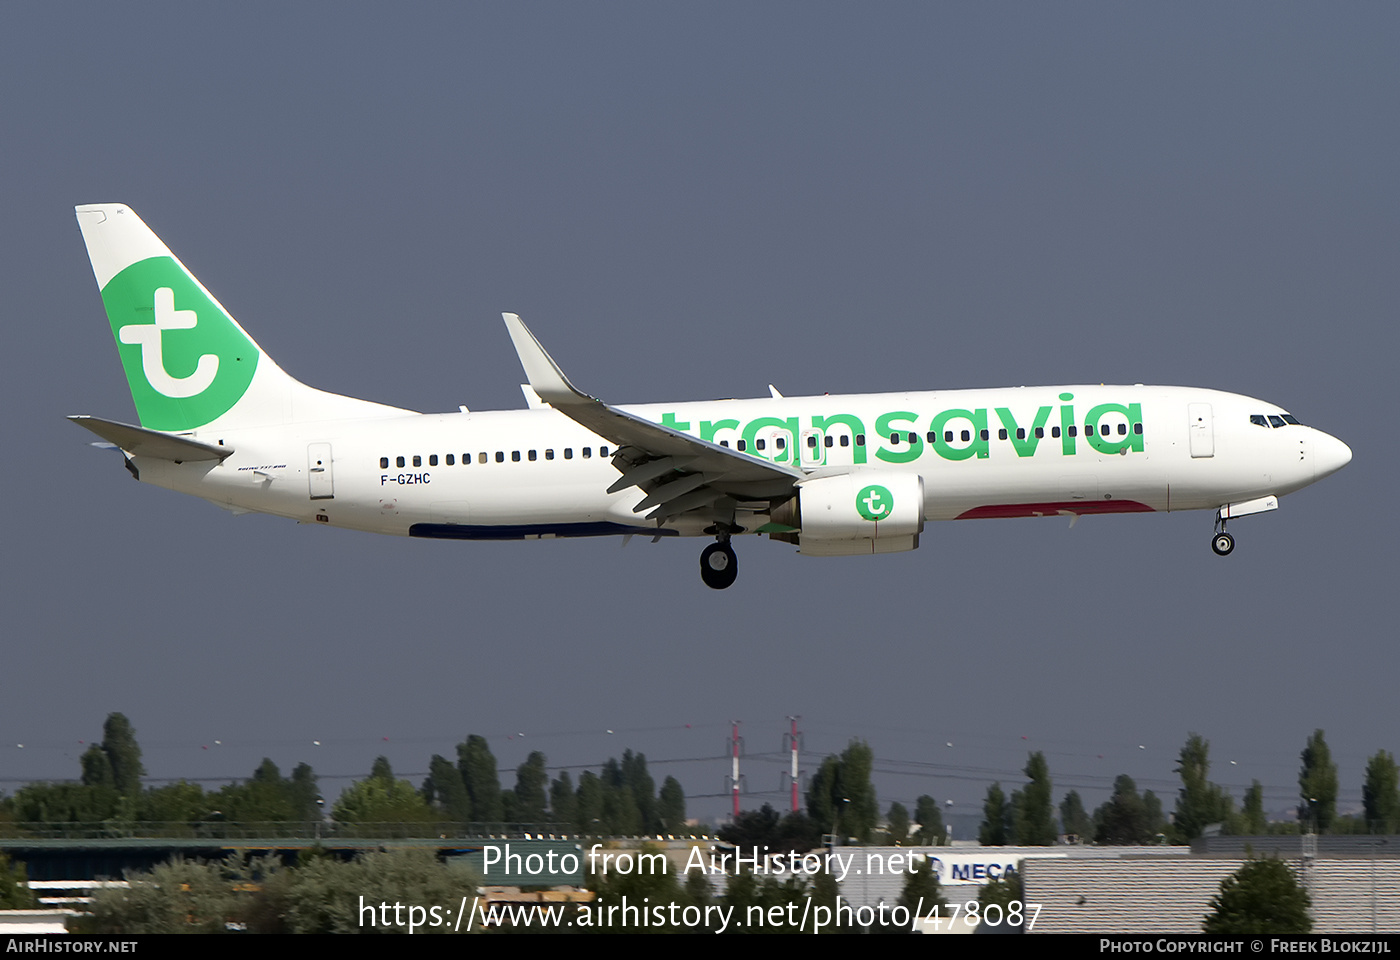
1289, 418
1258, 419
1275, 421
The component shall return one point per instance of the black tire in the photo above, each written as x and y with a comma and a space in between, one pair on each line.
719, 567
1223, 544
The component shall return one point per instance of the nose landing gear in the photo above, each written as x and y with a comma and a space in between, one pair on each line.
719, 567
1223, 544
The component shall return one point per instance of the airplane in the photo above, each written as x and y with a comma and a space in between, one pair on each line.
833, 475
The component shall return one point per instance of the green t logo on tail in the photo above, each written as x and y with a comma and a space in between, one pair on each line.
186, 361
875, 503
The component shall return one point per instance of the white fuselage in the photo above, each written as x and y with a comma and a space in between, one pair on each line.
537, 473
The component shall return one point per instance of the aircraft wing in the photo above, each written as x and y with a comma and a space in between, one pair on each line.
140, 442
680, 473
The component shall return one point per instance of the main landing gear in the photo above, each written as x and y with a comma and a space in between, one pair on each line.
1223, 544
719, 567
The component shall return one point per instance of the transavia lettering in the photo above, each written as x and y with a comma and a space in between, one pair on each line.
904, 436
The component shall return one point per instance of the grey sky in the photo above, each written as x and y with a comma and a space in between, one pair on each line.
689, 201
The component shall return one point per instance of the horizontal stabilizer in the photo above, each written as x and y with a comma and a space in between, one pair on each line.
140, 442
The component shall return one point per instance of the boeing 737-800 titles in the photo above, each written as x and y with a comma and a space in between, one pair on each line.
834, 475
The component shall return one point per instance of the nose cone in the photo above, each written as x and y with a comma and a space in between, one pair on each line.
1330, 455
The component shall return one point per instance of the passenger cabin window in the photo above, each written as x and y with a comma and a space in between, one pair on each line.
812, 442
1055, 432
549, 454
1020, 433
860, 439
781, 443
947, 436
531, 455
515, 456
500, 456
829, 441
398, 461
1137, 429
1001, 434
432, 459
568, 453
417, 460
741, 445
602, 451
481, 457
758, 444
845, 440
985, 434
383, 463
1039, 433
450, 460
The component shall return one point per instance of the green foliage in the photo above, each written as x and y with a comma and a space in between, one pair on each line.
930, 821
1252, 820
563, 802
745, 890
842, 795
825, 892
1003, 892
922, 884
378, 799
1128, 818
321, 895
994, 818
177, 897
763, 827
267, 796
1075, 819
1262, 897
477, 765
638, 885
1380, 795
670, 807
445, 792
897, 823
123, 753
531, 779
14, 886
1317, 784
1199, 803
1034, 813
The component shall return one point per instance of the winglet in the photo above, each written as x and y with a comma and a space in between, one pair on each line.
545, 377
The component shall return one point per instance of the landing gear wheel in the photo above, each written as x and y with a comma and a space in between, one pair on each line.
719, 567
1223, 544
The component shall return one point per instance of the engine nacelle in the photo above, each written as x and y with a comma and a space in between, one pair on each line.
855, 513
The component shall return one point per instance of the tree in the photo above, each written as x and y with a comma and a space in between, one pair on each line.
123, 753
921, 886
765, 828
841, 793
531, 779
1199, 803
897, 823
563, 802
930, 820
670, 806
994, 816
1126, 817
1380, 795
1262, 897
1075, 819
1252, 822
1035, 812
14, 886
445, 792
477, 765
1317, 782
381, 799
